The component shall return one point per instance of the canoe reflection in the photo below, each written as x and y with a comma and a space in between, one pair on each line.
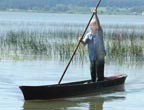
89, 102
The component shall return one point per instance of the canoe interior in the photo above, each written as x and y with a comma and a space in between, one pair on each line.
82, 82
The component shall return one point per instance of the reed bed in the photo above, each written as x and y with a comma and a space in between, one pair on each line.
59, 42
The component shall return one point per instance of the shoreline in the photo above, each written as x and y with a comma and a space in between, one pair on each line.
77, 13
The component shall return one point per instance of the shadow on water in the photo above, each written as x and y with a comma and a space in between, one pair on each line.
89, 102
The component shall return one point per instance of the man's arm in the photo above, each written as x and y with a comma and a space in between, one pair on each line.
98, 22
84, 40
97, 19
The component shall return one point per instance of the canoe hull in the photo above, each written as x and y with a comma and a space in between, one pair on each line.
70, 89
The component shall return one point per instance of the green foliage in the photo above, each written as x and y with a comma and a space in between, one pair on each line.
71, 6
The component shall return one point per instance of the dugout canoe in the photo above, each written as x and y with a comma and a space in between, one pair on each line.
72, 89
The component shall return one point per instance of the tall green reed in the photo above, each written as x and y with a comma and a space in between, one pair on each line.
59, 41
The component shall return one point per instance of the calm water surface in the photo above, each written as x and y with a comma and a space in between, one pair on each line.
14, 74
40, 72
20, 17
42, 21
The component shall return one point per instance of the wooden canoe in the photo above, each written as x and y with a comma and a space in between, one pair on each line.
70, 89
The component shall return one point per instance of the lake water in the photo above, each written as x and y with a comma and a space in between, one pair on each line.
20, 17
16, 73
44, 72
39, 21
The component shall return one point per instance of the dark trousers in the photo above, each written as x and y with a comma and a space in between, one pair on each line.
97, 70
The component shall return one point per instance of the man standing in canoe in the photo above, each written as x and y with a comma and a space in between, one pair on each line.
96, 49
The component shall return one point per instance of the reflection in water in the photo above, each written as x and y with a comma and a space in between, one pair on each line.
89, 102
14, 74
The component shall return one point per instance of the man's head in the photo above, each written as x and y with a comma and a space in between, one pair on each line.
93, 26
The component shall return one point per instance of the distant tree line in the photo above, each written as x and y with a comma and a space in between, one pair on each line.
70, 6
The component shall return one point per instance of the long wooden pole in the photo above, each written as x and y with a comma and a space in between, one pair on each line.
78, 44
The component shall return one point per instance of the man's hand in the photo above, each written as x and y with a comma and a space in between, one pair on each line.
80, 39
94, 11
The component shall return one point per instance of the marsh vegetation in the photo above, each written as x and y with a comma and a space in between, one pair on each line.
59, 41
